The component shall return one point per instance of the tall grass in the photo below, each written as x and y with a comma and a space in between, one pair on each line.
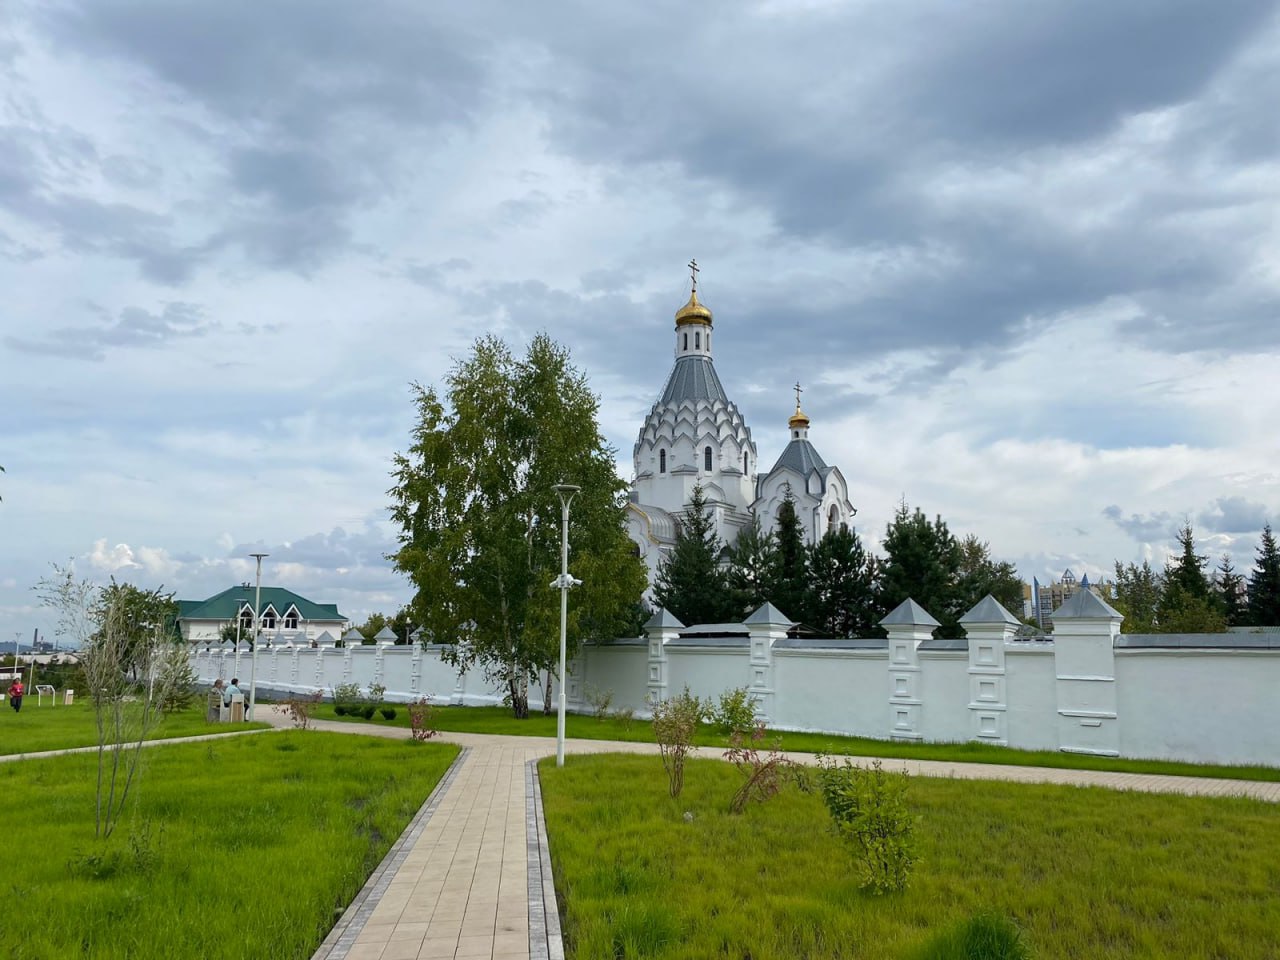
250, 846
36, 729
498, 720
1083, 872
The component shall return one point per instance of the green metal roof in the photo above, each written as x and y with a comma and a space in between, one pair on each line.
225, 605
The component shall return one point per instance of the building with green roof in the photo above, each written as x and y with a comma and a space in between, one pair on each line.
284, 613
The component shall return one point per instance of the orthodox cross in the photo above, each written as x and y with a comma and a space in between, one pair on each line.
797, 394
693, 274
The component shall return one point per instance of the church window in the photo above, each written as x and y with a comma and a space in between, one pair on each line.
706, 459
697, 340
833, 518
744, 462
662, 461
686, 341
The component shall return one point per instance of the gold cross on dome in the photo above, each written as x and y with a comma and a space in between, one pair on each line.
798, 390
693, 274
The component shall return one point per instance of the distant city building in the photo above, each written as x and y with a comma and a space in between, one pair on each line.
286, 615
1039, 600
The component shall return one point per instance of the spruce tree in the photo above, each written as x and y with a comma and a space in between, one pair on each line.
843, 600
691, 583
1187, 601
1230, 587
753, 573
791, 594
1264, 583
922, 563
980, 575
1138, 594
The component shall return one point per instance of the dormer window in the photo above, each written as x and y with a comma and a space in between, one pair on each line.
246, 620
269, 619
706, 459
291, 619
662, 459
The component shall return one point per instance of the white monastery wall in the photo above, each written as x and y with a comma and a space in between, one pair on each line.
1199, 705
1218, 706
1031, 682
832, 691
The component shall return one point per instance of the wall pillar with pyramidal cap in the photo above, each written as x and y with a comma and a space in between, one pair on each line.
1085, 629
989, 627
907, 624
661, 627
765, 626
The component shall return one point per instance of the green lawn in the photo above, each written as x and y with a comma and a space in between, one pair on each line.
55, 728
498, 720
1085, 872
245, 847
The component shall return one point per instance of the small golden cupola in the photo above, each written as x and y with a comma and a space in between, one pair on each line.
693, 312
799, 422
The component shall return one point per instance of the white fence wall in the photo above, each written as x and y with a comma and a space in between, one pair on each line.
1089, 690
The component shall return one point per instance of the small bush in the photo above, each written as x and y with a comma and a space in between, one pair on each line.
625, 716
298, 709
735, 713
984, 936
600, 700
375, 692
346, 695
420, 728
675, 721
765, 775
869, 808
388, 713
367, 711
340, 709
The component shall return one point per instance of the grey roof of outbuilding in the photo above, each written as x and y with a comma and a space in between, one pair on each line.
1198, 641
838, 643
699, 641
944, 643
802, 457
693, 378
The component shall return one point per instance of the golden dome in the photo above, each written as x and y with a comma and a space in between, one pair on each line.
798, 419
693, 312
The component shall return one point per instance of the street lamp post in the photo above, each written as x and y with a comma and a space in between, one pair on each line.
566, 492
257, 631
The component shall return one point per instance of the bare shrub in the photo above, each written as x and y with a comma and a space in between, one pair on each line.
420, 728
675, 721
764, 775
298, 708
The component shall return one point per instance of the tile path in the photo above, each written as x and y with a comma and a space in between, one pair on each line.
471, 876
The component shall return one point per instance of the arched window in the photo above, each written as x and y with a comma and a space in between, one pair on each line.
744, 462
697, 340
246, 621
662, 461
291, 619
269, 619
833, 518
686, 341
706, 459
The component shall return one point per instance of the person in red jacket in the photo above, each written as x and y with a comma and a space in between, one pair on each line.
15, 695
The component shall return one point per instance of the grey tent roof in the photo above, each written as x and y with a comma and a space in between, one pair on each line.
911, 614
1085, 604
802, 457
353, 635
386, 633
664, 620
989, 610
326, 637
693, 378
769, 614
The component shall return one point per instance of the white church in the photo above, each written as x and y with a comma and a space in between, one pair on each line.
695, 435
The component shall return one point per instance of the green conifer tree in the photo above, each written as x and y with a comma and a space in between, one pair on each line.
791, 594
691, 584
1230, 587
922, 563
1264, 583
843, 598
753, 570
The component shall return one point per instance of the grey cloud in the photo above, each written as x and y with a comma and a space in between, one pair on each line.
366, 547
434, 275
1234, 515
134, 327
1151, 528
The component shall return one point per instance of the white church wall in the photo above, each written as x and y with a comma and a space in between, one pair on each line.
1218, 706
617, 668
832, 691
1031, 679
944, 692
1212, 706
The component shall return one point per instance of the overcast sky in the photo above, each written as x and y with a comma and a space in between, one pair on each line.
1023, 256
